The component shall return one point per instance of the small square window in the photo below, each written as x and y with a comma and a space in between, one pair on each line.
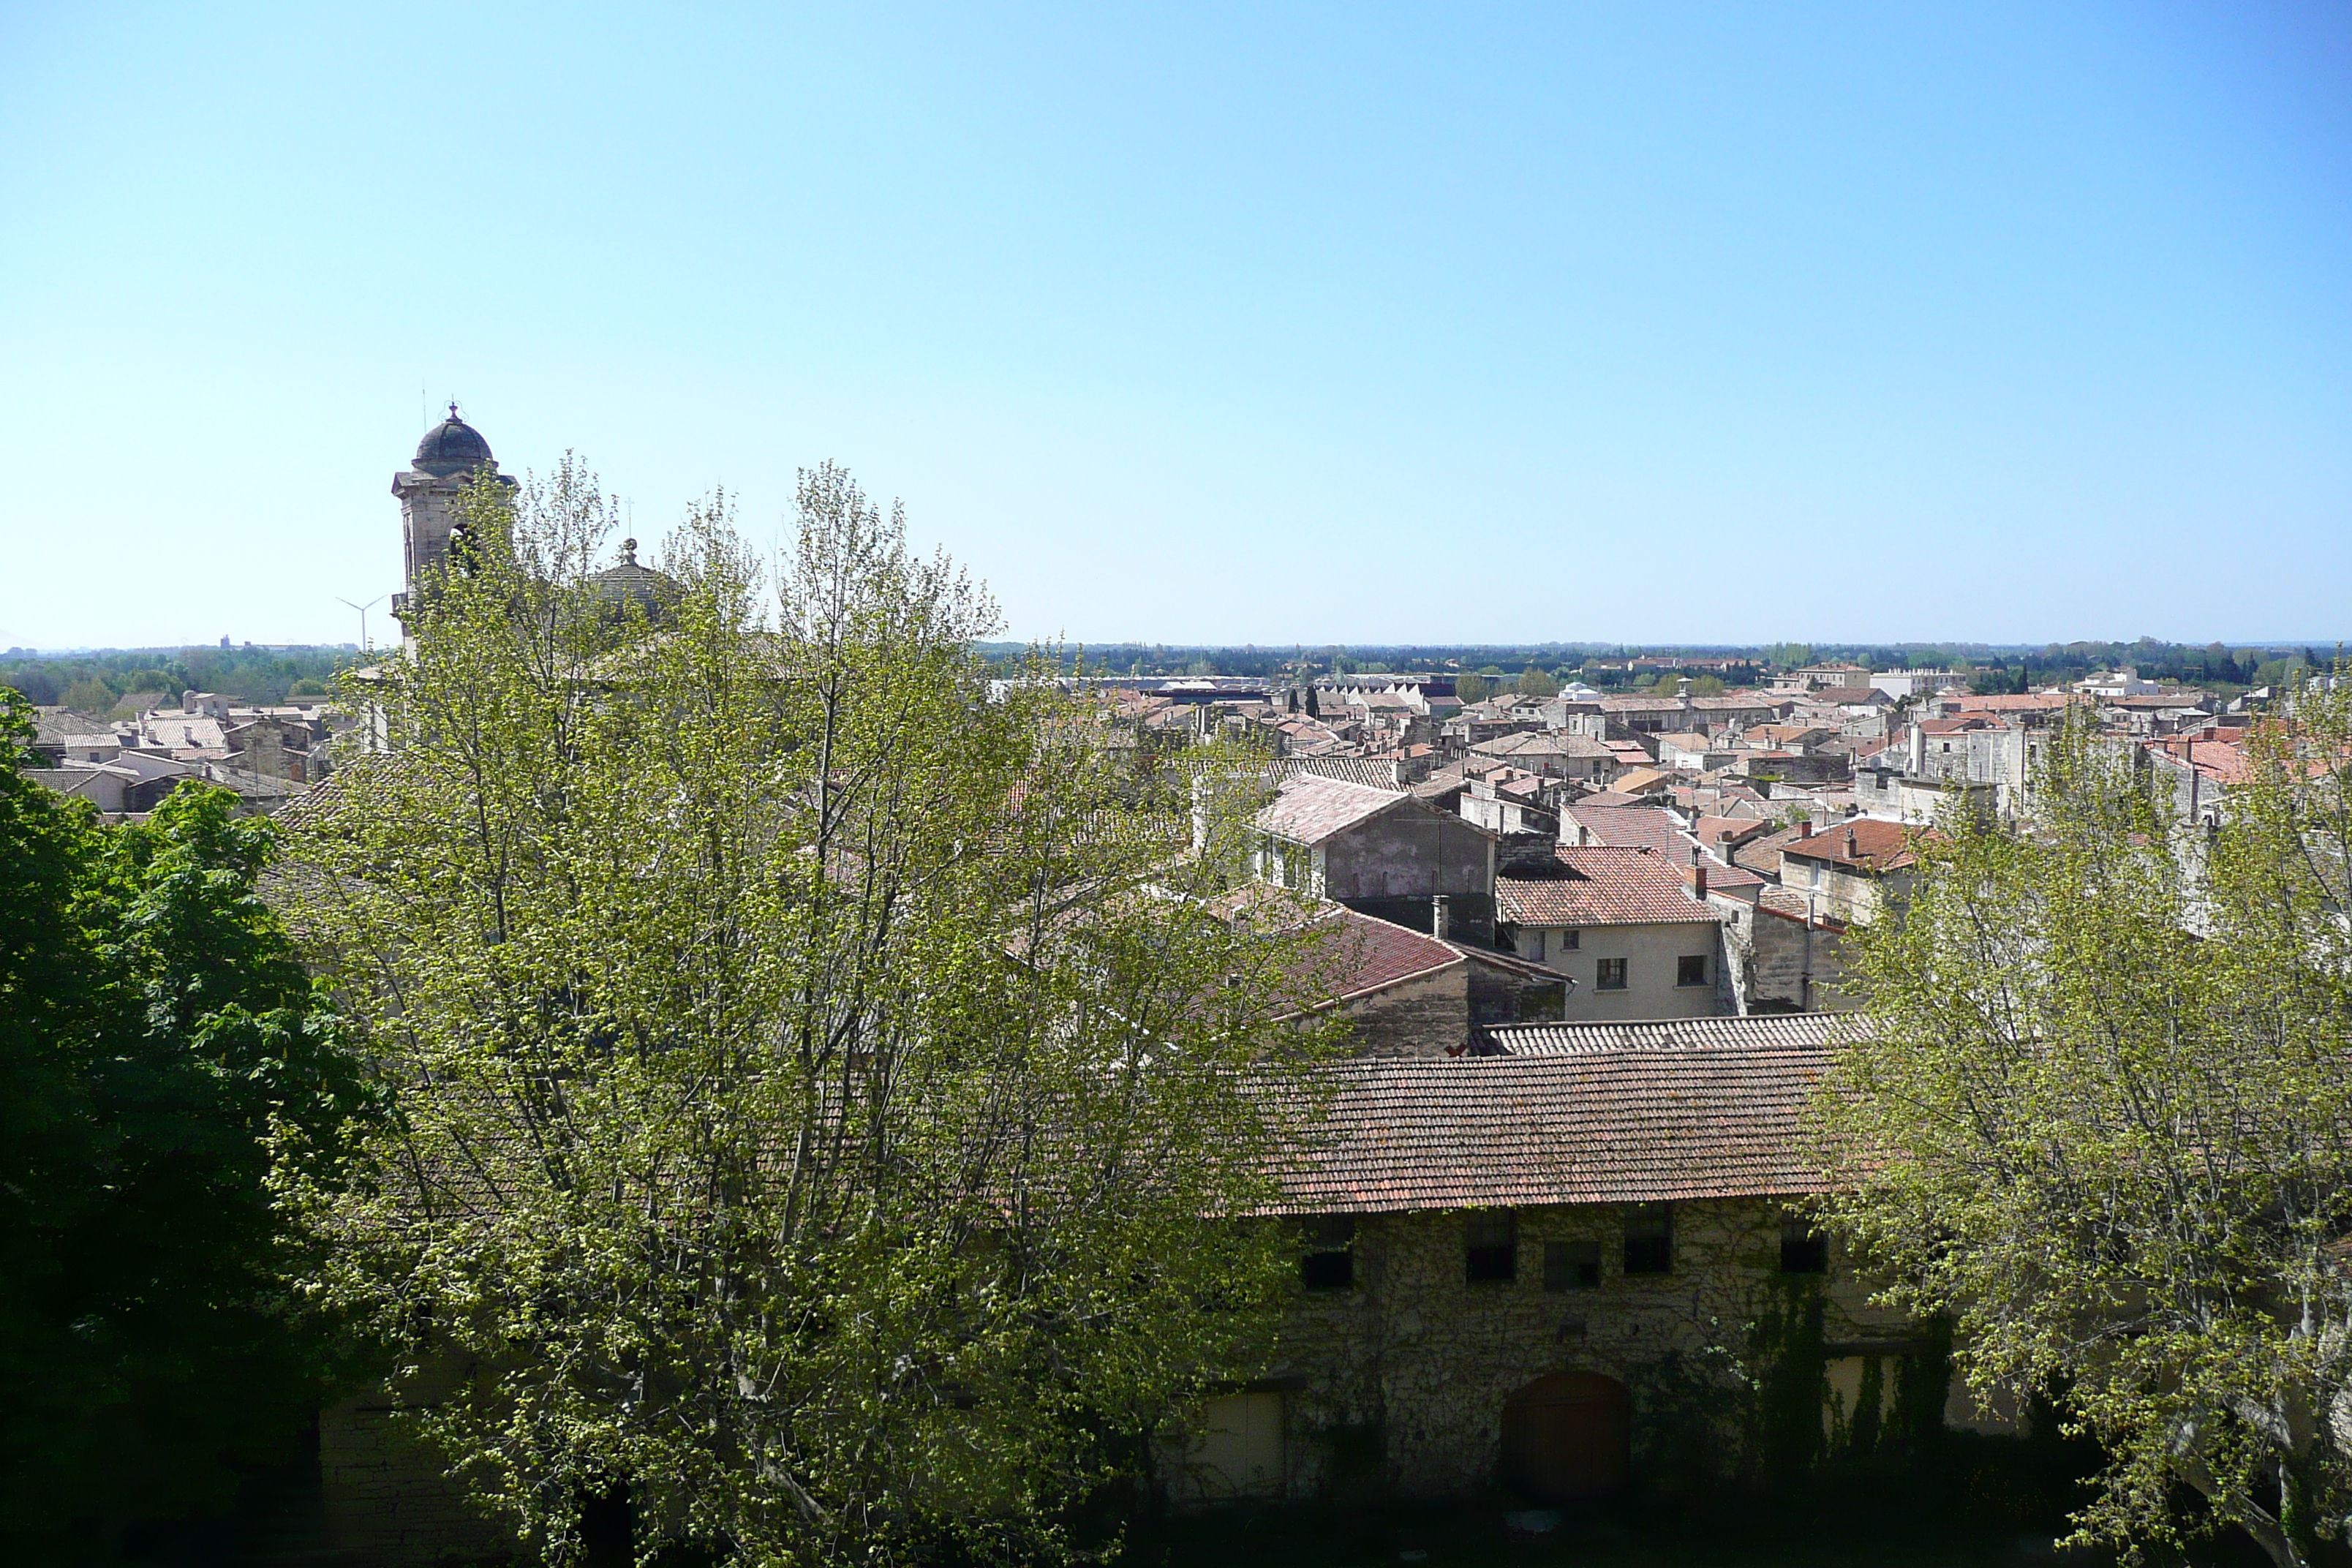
1570, 941
1571, 1265
1691, 970
1803, 1249
1649, 1238
1609, 975
1491, 1249
1329, 1261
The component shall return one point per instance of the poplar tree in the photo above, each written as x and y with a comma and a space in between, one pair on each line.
2098, 1110
826, 1080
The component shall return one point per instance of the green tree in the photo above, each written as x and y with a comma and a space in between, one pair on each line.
1534, 682
1472, 687
816, 1078
156, 1031
1707, 686
2099, 1111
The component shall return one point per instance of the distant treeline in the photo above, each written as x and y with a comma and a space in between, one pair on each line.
96, 683
1603, 664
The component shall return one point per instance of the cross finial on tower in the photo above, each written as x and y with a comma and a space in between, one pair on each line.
452, 410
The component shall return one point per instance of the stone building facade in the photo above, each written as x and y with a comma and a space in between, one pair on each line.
1564, 1270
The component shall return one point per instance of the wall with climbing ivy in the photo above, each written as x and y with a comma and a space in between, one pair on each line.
1395, 1383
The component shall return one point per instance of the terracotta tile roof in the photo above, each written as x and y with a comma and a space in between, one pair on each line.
1373, 772
1764, 854
1537, 743
1598, 887
1803, 1030
1610, 797
1312, 809
1605, 1126
1722, 878
1628, 827
1375, 955
1716, 831
1862, 843
1643, 779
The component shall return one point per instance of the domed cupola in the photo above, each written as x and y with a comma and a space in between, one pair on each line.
630, 584
452, 447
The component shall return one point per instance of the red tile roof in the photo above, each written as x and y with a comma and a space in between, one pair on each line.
1628, 827
1862, 843
1603, 1126
1598, 887
1764, 854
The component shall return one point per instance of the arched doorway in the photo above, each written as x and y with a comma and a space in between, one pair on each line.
1568, 1436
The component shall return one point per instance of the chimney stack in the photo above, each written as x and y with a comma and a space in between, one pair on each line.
1805, 827
1698, 883
1441, 917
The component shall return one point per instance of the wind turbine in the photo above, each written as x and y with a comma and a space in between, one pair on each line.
365, 646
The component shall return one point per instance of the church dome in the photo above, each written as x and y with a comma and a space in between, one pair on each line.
453, 447
629, 583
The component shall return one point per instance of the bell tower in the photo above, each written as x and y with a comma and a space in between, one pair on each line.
447, 461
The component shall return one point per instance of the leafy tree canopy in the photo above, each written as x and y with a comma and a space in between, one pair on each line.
155, 1031
821, 1087
2099, 1111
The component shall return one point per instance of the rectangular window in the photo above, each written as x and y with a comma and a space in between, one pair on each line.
1329, 1260
1691, 970
1610, 974
1571, 1265
1649, 1238
1491, 1250
1803, 1249
1570, 941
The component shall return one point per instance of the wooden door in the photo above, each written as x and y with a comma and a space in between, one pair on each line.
1568, 1436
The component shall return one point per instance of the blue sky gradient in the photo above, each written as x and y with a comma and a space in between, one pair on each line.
1233, 324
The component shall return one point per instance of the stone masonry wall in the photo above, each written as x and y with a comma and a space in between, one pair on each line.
389, 1501
1396, 1384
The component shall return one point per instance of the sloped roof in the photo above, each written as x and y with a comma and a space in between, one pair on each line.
1774, 1030
1373, 772
1764, 854
1312, 809
1628, 827
1538, 742
1605, 1126
1863, 842
1598, 887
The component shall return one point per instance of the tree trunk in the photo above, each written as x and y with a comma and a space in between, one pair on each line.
608, 1529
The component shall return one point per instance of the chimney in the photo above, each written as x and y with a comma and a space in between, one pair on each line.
1849, 844
1699, 880
1805, 827
1441, 917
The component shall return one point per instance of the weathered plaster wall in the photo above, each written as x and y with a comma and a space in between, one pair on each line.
1408, 854
1423, 1017
1770, 964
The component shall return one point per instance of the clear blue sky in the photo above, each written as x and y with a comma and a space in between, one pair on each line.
1233, 324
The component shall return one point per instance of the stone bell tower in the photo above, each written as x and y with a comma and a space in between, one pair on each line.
447, 460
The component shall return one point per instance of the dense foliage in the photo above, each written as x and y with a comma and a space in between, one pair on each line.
819, 1083
155, 1032
2099, 1111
